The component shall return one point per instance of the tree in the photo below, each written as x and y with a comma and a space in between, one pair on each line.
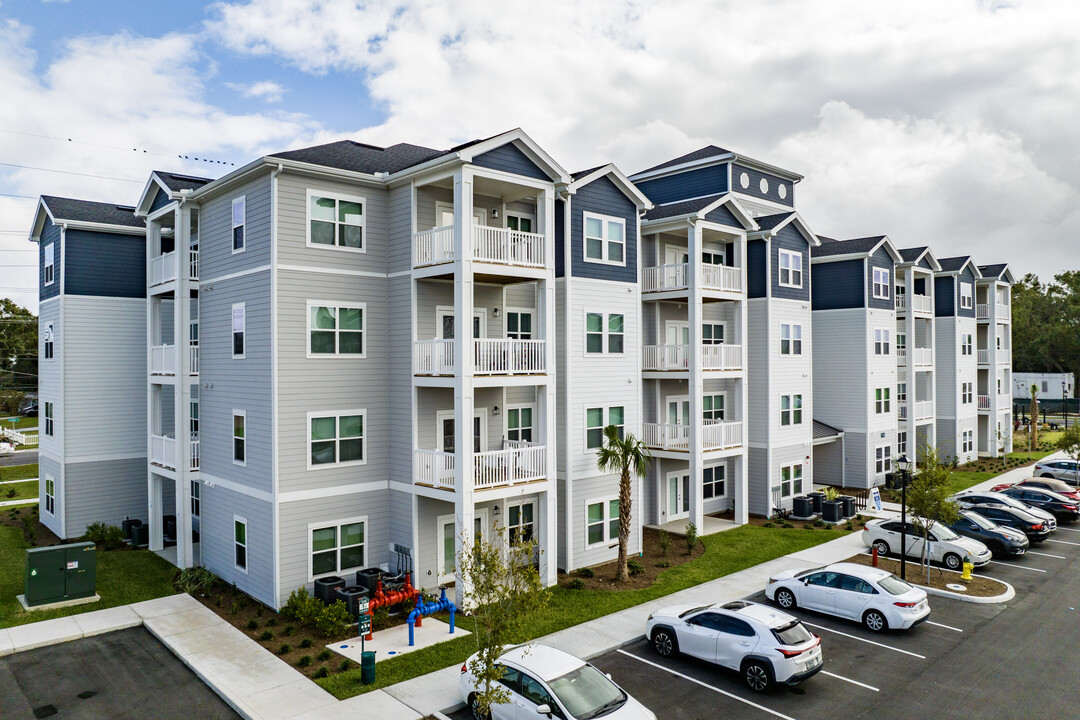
503, 590
1069, 443
1033, 433
928, 499
18, 347
623, 454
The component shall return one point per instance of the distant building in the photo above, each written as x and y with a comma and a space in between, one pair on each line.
1048, 384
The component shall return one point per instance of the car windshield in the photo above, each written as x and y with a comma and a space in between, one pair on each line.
587, 693
980, 521
691, 611
792, 634
943, 532
894, 585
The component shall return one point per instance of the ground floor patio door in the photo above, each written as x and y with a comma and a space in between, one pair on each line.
678, 494
447, 539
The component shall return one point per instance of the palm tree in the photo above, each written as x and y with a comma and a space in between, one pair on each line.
623, 454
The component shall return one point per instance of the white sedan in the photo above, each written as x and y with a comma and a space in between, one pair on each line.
6, 448
544, 682
869, 595
946, 547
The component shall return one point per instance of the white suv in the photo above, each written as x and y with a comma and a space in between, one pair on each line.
764, 645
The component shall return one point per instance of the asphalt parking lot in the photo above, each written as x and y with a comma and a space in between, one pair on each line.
1011, 660
123, 674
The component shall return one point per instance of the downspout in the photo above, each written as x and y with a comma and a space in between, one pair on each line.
273, 381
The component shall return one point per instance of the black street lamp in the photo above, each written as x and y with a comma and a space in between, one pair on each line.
903, 466
1065, 403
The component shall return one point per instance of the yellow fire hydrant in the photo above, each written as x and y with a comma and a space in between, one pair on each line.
968, 567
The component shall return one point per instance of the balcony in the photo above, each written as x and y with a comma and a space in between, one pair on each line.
1003, 312
163, 452
982, 311
984, 402
163, 267
1003, 357
491, 469
923, 357
920, 304
491, 356
490, 244
677, 357
163, 360
716, 435
924, 409
983, 356
664, 278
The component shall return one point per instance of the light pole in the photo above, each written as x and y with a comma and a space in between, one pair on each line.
1065, 404
903, 466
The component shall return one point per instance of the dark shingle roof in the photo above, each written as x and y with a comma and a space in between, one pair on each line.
821, 430
582, 173
368, 159
92, 212
831, 246
992, 270
912, 254
952, 264
700, 154
683, 207
768, 222
181, 182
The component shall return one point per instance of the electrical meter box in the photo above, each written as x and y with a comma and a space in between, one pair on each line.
61, 572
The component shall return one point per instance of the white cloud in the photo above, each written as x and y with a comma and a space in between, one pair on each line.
266, 90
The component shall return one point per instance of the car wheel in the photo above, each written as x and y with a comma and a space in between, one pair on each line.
785, 598
664, 642
998, 550
953, 561
875, 621
758, 676
474, 708
882, 547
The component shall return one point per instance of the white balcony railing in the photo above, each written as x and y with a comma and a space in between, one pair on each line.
665, 357
923, 357
508, 247
163, 360
661, 278
506, 467
900, 301
193, 264
434, 357
922, 304
1003, 357
983, 356
720, 435
193, 359
434, 246
509, 357
721, 277
1002, 311
716, 435
721, 357
901, 355
435, 468
982, 311
984, 402
924, 409
163, 451
163, 268
193, 453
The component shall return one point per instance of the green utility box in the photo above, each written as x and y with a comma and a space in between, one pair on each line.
61, 572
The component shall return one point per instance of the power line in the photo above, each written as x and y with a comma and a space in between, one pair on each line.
27, 197
122, 149
70, 172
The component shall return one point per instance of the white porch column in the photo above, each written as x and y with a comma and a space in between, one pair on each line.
155, 505
464, 360
695, 385
546, 397
182, 388
909, 425
741, 496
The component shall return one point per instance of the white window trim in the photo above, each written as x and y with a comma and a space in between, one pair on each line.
49, 261
781, 254
791, 410
336, 524
233, 225
338, 197
722, 323
232, 330
901, 452
969, 296
884, 399
48, 339
338, 306
531, 312
49, 479
881, 278
791, 481
50, 417
791, 339
520, 406
239, 413
718, 393
606, 409
337, 414
885, 339
246, 545
520, 504
195, 484
604, 320
606, 504
885, 469
702, 481
605, 219
522, 215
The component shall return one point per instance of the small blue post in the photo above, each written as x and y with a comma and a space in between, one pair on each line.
411, 623
451, 618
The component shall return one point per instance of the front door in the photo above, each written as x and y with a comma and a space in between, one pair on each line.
675, 256
445, 215
445, 322
445, 420
678, 495
447, 538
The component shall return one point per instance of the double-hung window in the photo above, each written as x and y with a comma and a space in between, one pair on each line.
712, 481
601, 521
520, 522
712, 407
49, 265
336, 221
336, 329
48, 418
337, 439
337, 548
901, 444
881, 341
47, 350
790, 339
604, 334
966, 297
196, 498
968, 441
50, 495
965, 344
594, 424
881, 400
240, 542
791, 477
966, 393
519, 325
882, 460
519, 424
239, 328
712, 257
239, 420
901, 393
605, 239
790, 410
239, 222
881, 283
791, 269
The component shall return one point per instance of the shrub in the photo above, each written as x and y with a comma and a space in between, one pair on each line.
380, 617
306, 643
271, 622
691, 538
194, 580
634, 566
787, 525
808, 526
819, 523
302, 607
768, 525
284, 649
320, 673
576, 584
235, 607
252, 625
324, 655
665, 542
345, 665
29, 529
289, 630
585, 572
266, 636
106, 537
663, 564
12, 492
334, 620
259, 610
304, 661
848, 525
831, 493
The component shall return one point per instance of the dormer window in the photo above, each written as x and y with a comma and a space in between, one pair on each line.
791, 269
881, 283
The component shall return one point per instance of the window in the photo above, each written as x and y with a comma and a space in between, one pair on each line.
967, 441
519, 325
534, 692
49, 419
712, 334
521, 223
520, 522
50, 263
239, 421
881, 283
196, 498
337, 548
50, 495
881, 341
519, 424
594, 425
791, 480
712, 257
336, 221
1045, 386
965, 344
883, 460
901, 444
901, 393
901, 344
790, 269
48, 340
336, 439
240, 542
881, 401
239, 325
601, 521
605, 239
597, 327
239, 219
966, 393
790, 410
511, 678
712, 481
790, 339
966, 298
712, 407
336, 330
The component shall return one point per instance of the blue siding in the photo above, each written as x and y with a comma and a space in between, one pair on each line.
755, 268
944, 297
838, 285
161, 199
49, 234
603, 197
967, 276
920, 286
560, 234
723, 216
754, 188
509, 158
790, 239
105, 264
881, 259
685, 185
925, 263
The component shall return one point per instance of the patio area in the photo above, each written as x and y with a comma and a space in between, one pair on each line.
710, 525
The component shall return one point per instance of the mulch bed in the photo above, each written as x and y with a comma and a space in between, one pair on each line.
651, 559
12, 516
916, 574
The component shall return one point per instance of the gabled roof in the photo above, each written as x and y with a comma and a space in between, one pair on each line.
582, 173
700, 207
177, 183
1000, 271
171, 184
700, 154
86, 214
915, 255
710, 155
853, 248
584, 177
775, 223
361, 158
956, 265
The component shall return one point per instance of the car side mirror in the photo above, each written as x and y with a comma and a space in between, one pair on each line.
544, 709
608, 676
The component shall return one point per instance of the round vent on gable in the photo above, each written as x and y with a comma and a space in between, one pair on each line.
744, 180
782, 191
764, 186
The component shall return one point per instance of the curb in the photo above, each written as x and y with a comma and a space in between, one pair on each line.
1009, 594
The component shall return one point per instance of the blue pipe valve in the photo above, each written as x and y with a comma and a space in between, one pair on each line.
430, 608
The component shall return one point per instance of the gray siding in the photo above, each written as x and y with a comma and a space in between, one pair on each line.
881, 259
838, 285
508, 158
51, 377
760, 484
218, 507
790, 239
603, 197
216, 257
50, 234
48, 465
399, 241
399, 379
107, 264
104, 491
690, 184
754, 189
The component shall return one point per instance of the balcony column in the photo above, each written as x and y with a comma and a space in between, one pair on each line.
547, 522
909, 366
696, 385
153, 491
741, 477
182, 388
463, 375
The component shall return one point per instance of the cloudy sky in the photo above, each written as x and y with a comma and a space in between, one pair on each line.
945, 123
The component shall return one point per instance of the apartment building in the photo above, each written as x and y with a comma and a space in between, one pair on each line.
993, 319
916, 382
955, 360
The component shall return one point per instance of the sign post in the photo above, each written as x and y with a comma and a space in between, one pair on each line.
363, 620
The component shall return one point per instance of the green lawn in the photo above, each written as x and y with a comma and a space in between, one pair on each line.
123, 577
23, 491
18, 472
22, 422
725, 553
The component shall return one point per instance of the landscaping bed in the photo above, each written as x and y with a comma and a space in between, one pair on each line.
977, 586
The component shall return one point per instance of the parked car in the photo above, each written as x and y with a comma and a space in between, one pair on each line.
973, 498
763, 645
946, 547
1003, 541
1044, 483
29, 410
1035, 529
6, 448
1061, 507
1067, 470
543, 681
869, 595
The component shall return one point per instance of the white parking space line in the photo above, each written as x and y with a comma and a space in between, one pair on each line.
706, 685
853, 682
1059, 557
1063, 542
1019, 567
947, 627
871, 642
1069, 529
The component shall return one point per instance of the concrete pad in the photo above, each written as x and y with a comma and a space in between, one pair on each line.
290, 700
394, 641
183, 621
228, 657
200, 640
375, 704
6, 646
429, 693
257, 677
46, 632
165, 605
103, 621
59, 604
